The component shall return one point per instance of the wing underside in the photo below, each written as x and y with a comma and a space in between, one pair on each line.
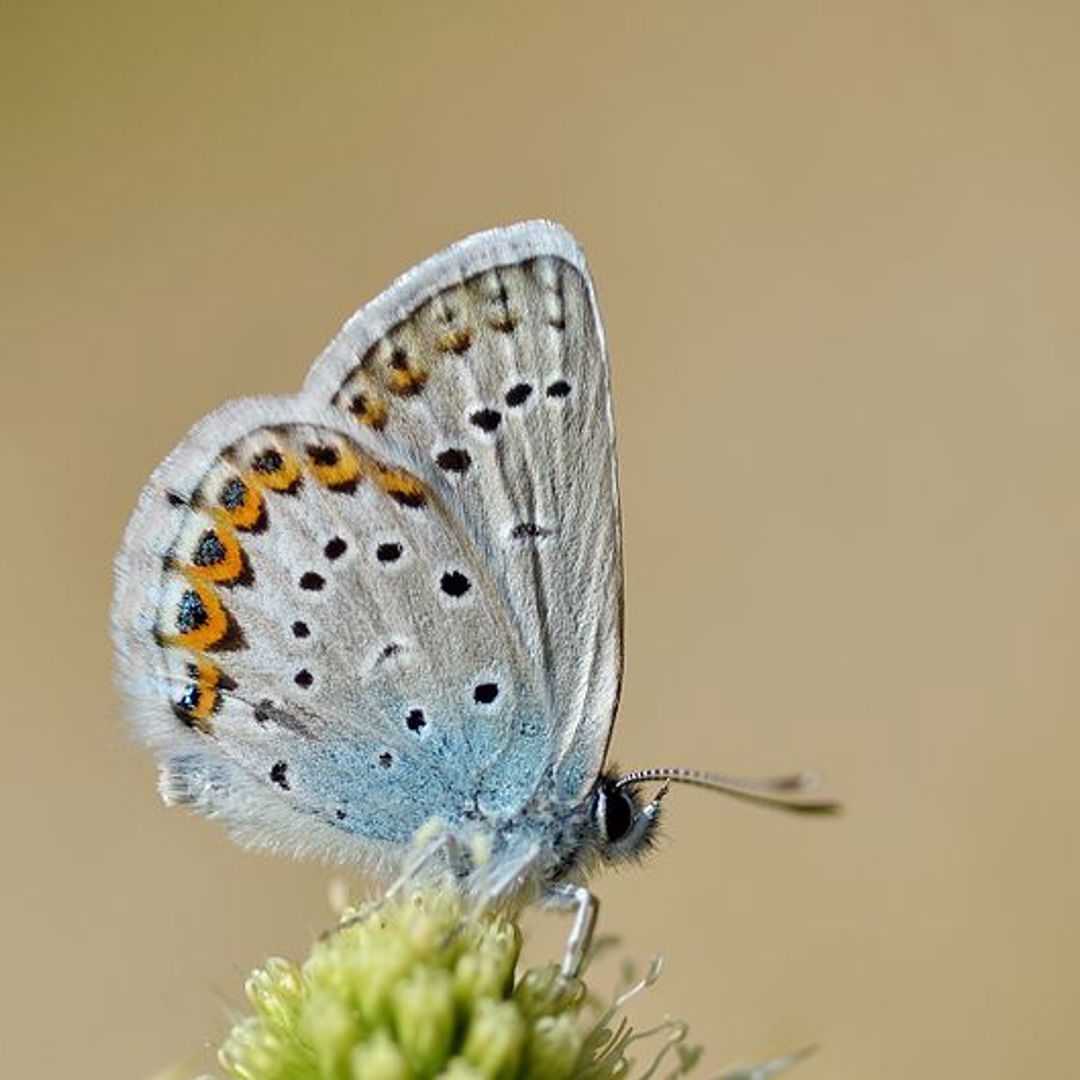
397, 595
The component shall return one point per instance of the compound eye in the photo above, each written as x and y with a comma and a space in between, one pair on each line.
618, 810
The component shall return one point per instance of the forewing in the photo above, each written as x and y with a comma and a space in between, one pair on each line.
485, 370
316, 647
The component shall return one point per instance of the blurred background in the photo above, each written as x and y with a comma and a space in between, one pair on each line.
838, 249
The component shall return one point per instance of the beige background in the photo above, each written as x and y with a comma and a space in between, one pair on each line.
838, 247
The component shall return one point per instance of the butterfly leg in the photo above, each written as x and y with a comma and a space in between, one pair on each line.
501, 883
585, 907
412, 872
441, 842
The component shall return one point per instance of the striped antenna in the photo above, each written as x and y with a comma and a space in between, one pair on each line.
782, 792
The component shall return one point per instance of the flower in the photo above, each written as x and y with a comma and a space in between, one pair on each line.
423, 988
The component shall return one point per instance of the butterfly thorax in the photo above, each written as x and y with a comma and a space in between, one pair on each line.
546, 843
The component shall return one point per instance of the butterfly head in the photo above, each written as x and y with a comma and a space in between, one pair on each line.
625, 824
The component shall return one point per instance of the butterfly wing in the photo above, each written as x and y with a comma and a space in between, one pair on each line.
288, 607
485, 369
397, 595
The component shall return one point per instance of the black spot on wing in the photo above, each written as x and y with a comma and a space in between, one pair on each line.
187, 704
278, 774
518, 395
191, 613
454, 460
323, 455
485, 693
209, 551
529, 530
267, 462
454, 583
233, 493
486, 419
335, 548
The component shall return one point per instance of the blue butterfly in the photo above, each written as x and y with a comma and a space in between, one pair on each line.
390, 606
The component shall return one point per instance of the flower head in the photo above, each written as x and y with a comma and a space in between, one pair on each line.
423, 988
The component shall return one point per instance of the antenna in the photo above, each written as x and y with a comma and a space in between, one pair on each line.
781, 792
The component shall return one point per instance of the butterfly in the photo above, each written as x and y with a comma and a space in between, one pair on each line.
390, 606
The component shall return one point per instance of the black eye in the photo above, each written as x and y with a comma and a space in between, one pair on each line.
618, 810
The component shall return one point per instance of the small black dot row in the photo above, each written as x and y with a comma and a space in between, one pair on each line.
453, 583
312, 581
483, 694
488, 419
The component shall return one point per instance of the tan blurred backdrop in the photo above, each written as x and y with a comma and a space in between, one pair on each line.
838, 250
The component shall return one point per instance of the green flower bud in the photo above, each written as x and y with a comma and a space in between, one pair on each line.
328, 1028
460, 1069
485, 968
424, 1018
546, 991
554, 1048
275, 991
496, 1039
379, 1058
386, 963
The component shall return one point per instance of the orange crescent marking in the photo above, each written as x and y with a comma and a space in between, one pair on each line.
407, 380
346, 470
232, 565
280, 479
217, 621
369, 410
249, 513
455, 341
401, 486
207, 679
